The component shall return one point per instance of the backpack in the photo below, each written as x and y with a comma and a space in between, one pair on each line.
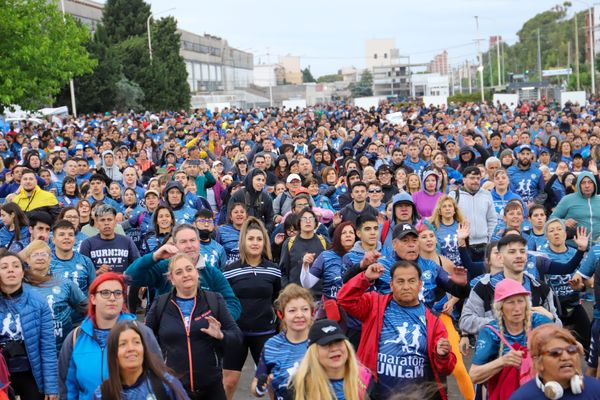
385, 230
292, 239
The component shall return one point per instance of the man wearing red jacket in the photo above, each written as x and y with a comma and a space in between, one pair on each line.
402, 342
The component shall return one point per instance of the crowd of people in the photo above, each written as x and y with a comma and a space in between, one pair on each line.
145, 256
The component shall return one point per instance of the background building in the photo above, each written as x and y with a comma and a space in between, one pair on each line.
392, 80
439, 64
266, 75
212, 65
380, 53
430, 85
291, 66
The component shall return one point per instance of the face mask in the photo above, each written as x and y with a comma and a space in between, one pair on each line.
204, 234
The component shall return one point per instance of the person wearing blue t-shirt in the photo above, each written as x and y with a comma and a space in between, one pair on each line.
212, 252
283, 352
413, 161
327, 266
515, 318
228, 235
526, 181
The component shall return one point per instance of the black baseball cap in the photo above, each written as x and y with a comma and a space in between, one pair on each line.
402, 230
325, 331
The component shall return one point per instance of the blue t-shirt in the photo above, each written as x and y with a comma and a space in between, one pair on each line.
229, 237
281, 358
560, 283
448, 241
118, 253
338, 388
78, 269
402, 358
327, 267
213, 254
488, 343
63, 296
186, 306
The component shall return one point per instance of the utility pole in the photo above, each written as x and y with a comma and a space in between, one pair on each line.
577, 53
592, 52
469, 76
480, 66
71, 84
498, 59
490, 67
539, 56
503, 66
569, 53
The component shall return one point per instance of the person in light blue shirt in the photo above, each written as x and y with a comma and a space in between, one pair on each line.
212, 252
526, 181
228, 235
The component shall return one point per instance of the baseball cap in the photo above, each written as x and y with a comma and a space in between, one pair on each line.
523, 147
79, 147
507, 288
292, 177
325, 331
151, 191
401, 230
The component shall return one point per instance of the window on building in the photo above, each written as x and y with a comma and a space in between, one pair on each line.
375, 56
384, 55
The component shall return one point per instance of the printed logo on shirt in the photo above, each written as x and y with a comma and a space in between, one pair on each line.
11, 327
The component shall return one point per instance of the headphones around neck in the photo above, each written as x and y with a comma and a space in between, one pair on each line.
554, 390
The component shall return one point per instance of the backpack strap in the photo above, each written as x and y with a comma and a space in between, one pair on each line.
385, 230
499, 335
161, 305
74, 336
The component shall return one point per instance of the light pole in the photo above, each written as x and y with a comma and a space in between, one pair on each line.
592, 52
71, 84
480, 67
149, 33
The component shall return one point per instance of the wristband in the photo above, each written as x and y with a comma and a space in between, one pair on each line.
259, 392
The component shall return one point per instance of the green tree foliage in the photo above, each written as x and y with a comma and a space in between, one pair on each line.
128, 95
330, 78
307, 76
364, 87
125, 18
121, 46
39, 52
557, 44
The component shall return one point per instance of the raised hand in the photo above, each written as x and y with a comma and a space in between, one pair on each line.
459, 276
463, 231
370, 257
582, 239
374, 272
164, 252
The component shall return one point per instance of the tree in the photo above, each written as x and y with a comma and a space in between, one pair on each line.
330, 78
364, 87
125, 18
307, 76
129, 95
39, 52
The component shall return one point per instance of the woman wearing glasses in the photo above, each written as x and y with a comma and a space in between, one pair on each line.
557, 362
64, 297
26, 325
82, 363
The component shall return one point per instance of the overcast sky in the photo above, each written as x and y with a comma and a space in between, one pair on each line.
328, 35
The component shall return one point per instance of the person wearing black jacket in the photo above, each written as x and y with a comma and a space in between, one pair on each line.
193, 327
256, 281
259, 203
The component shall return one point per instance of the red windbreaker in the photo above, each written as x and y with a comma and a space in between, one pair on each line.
369, 307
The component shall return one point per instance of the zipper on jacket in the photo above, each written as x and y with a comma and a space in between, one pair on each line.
591, 218
189, 345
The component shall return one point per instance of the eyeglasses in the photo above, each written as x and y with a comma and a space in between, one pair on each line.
39, 255
374, 190
105, 294
557, 351
204, 221
302, 205
307, 219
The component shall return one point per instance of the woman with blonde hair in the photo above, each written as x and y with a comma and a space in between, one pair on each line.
329, 369
256, 281
64, 297
502, 344
283, 352
444, 221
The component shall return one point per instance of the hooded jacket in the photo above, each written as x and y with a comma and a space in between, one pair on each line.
425, 202
183, 212
388, 226
259, 204
586, 211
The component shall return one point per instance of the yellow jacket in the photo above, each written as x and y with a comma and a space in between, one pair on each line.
39, 198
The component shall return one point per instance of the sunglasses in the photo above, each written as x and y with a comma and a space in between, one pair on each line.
557, 351
374, 190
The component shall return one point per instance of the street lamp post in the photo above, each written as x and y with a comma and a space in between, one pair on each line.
71, 84
149, 32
